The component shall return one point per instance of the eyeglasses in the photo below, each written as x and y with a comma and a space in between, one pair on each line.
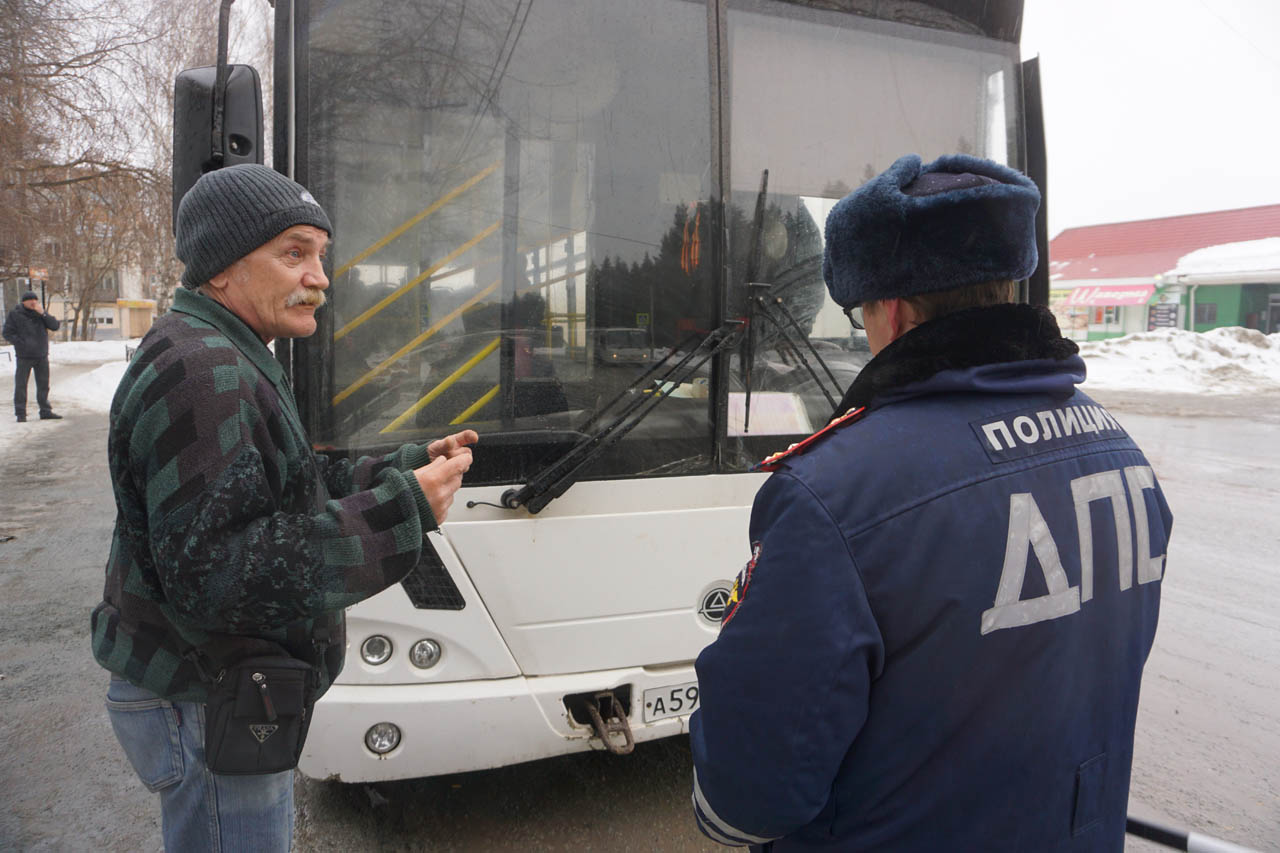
854, 313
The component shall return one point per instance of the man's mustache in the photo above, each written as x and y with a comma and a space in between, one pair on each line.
309, 296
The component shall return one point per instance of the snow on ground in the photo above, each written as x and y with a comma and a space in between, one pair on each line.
81, 352
83, 375
1230, 360
93, 390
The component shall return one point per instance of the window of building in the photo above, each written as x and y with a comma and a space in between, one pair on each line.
1106, 315
1207, 312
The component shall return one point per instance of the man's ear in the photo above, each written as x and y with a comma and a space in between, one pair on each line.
222, 279
903, 316
894, 315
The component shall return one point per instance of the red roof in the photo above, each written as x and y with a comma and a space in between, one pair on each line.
1149, 247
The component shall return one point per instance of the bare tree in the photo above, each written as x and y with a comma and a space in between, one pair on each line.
86, 106
58, 62
189, 38
98, 222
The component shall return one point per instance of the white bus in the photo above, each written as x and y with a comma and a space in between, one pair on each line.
507, 181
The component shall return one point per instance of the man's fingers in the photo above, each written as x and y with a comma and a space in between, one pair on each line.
441, 479
453, 445
451, 466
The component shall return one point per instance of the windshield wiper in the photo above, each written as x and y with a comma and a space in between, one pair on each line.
557, 477
765, 303
763, 299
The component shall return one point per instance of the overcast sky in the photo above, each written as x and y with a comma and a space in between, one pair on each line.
1157, 107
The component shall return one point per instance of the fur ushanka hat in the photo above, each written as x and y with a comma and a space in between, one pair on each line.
919, 229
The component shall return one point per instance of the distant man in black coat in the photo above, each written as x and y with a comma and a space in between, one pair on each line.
27, 327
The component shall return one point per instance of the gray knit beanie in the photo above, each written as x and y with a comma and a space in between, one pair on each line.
232, 211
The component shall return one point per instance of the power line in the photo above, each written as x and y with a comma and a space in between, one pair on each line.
1270, 59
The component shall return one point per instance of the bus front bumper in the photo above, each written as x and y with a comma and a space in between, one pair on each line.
461, 726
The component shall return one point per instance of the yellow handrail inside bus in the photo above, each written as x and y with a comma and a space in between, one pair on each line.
432, 208
404, 350
410, 285
475, 407
442, 387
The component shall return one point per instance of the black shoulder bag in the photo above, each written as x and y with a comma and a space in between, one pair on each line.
258, 712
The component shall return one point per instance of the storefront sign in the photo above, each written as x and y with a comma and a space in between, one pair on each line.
1162, 316
1113, 294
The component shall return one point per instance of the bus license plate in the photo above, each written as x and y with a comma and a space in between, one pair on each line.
676, 700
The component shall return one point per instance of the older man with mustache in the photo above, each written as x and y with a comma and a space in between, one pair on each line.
233, 538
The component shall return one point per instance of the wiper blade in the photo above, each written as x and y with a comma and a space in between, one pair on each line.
690, 343
556, 479
766, 298
760, 304
763, 307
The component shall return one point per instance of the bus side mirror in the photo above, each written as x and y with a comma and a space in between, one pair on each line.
193, 96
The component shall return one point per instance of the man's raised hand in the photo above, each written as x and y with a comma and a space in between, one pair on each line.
441, 478
454, 445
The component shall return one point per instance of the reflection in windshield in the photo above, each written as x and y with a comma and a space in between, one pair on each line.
854, 98
625, 339
519, 193
525, 221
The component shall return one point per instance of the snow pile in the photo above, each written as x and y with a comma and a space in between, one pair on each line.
89, 352
81, 352
83, 375
1230, 360
92, 390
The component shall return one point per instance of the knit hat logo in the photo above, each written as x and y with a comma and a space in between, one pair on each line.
309, 198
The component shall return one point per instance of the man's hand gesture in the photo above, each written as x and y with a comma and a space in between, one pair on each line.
455, 445
442, 476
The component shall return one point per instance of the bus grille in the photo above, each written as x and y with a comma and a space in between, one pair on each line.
429, 586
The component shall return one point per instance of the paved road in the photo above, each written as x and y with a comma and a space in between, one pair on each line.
1207, 755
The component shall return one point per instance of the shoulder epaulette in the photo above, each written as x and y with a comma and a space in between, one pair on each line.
771, 463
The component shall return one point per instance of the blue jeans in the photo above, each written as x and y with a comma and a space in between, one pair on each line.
200, 810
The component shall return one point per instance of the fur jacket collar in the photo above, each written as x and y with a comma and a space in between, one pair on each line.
971, 338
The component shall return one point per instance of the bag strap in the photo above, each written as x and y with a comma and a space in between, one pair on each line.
212, 657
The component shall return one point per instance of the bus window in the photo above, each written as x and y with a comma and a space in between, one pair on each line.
506, 180
857, 94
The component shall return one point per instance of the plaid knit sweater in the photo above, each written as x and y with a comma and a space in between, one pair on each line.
228, 524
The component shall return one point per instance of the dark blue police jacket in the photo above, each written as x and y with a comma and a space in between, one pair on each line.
939, 640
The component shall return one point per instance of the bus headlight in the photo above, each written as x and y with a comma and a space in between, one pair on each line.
376, 650
382, 738
425, 654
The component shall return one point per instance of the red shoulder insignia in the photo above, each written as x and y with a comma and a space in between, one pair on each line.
740, 585
771, 463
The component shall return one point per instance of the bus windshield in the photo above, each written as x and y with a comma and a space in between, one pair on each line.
534, 204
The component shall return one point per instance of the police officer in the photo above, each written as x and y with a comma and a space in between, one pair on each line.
953, 588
